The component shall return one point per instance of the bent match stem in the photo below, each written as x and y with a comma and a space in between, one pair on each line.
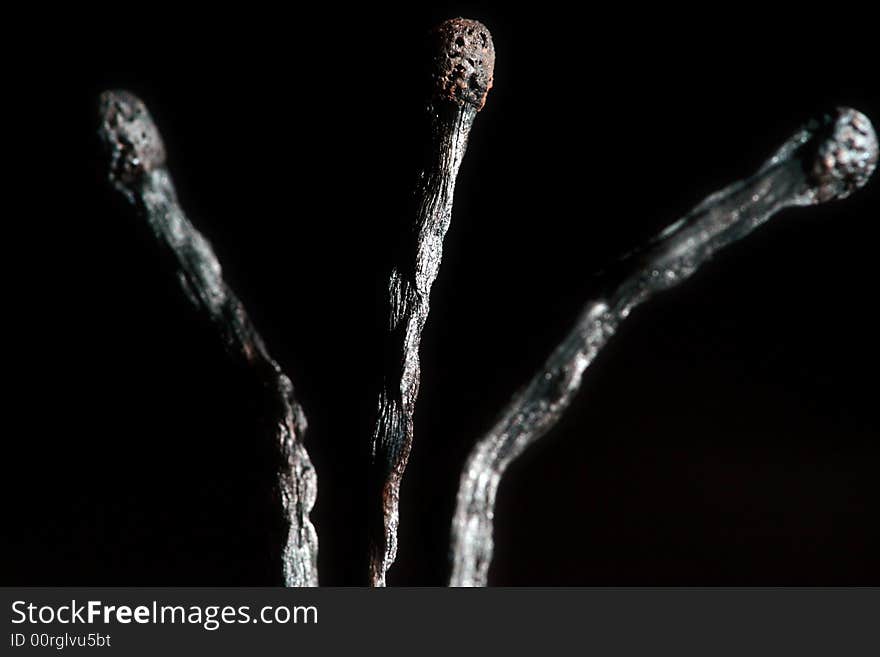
137, 170
824, 161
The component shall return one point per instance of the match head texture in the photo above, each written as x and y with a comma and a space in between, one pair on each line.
463, 61
847, 155
132, 140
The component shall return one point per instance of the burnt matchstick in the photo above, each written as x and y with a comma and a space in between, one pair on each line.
824, 161
136, 168
463, 59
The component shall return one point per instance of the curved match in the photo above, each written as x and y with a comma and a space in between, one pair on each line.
136, 168
826, 160
463, 58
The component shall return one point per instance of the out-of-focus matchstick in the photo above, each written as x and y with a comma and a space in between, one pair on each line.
827, 160
136, 168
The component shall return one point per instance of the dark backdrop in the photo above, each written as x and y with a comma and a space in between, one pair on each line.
728, 435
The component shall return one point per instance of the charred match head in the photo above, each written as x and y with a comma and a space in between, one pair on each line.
130, 136
845, 156
463, 61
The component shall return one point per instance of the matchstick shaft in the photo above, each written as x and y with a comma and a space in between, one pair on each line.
409, 291
138, 171
813, 166
462, 61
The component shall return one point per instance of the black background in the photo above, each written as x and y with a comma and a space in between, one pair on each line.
728, 435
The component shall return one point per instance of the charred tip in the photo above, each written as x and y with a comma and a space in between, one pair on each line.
846, 156
463, 62
130, 136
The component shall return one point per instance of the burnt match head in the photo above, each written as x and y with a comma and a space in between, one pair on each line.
130, 136
463, 61
846, 156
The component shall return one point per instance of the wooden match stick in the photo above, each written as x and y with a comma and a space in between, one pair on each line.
137, 169
463, 59
827, 160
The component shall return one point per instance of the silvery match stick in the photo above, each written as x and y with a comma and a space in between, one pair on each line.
137, 169
827, 160
463, 58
